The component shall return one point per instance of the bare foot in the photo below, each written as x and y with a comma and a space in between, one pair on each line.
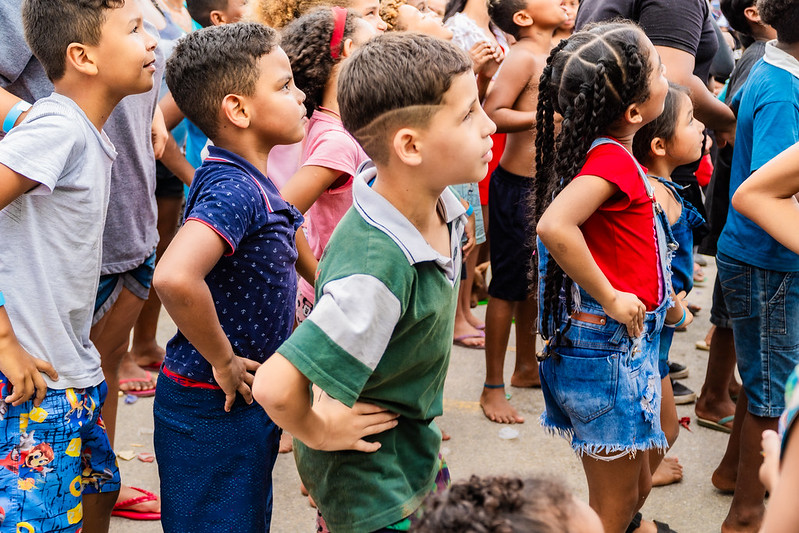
669, 471
473, 321
128, 493
149, 355
133, 378
286, 443
527, 378
724, 481
497, 408
468, 336
750, 527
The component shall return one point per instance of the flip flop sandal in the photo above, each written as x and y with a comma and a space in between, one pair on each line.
458, 341
143, 393
121, 509
718, 425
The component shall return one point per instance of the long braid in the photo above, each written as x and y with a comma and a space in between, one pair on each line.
590, 79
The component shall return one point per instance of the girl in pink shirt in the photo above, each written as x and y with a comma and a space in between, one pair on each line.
316, 44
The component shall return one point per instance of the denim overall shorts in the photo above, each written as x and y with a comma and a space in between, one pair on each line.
601, 387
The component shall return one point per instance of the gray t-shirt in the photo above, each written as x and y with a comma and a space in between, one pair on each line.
50, 250
131, 233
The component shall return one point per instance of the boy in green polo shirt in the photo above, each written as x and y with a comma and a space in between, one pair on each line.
377, 343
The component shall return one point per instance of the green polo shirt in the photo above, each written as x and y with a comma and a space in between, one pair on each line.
380, 332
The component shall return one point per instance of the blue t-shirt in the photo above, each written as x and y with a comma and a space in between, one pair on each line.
768, 123
254, 285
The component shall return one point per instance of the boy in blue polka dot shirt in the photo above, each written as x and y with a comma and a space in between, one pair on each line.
228, 281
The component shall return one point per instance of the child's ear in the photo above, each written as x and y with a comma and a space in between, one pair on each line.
658, 146
347, 48
522, 19
407, 147
752, 14
82, 59
633, 114
217, 18
235, 111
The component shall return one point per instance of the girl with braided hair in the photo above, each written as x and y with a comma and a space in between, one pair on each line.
603, 263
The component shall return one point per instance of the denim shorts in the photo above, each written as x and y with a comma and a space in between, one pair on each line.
602, 388
470, 193
51, 455
215, 467
764, 309
138, 281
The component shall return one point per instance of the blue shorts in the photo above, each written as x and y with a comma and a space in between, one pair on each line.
138, 281
215, 467
471, 193
51, 455
512, 237
764, 309
602, 388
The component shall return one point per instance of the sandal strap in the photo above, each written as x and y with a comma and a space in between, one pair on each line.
147, 497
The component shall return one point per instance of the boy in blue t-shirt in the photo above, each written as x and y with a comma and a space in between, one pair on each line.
228, 281
757, 274
59, 470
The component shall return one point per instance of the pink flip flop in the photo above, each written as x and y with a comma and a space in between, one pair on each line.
458, 341
121, 508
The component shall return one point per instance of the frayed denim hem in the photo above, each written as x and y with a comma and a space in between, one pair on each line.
554, 429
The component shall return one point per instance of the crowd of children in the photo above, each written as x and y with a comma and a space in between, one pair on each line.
332, 227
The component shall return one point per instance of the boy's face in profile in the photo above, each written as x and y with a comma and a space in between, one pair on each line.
457, 142
277, 104
236, 10
547, 13
125, 55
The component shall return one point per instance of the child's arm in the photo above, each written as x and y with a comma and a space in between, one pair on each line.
782, 482
329, 425
559, 230
21, 368
306, 261
180, 282
511, 82
767, 198
308, 184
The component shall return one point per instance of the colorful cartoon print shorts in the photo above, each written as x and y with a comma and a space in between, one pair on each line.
50, 456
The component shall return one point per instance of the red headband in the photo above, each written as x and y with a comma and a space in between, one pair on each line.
340, 15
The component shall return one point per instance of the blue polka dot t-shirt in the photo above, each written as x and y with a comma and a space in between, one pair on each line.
254, 285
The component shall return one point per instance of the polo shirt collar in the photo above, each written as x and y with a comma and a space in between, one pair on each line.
274, 200
781, 59
381, 214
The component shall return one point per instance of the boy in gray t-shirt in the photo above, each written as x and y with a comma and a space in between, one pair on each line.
54, 183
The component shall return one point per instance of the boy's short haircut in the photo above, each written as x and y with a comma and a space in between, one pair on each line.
501, 13
395, 80
733, 11
52, 25
783, 16
200, 10
211, 63
540, 505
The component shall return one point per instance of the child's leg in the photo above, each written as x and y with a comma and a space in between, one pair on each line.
97, 511
525, 373
493, 401
465, 331
215, 467
617, 489
666, 470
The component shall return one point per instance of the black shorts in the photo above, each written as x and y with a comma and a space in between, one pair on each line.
719, 316
512, 236
167, 185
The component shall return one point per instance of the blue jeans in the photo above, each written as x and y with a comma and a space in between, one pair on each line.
215, 467
764, 309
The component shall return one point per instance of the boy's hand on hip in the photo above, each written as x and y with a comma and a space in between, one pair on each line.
236, 376
344, 428
628, 309
24, 372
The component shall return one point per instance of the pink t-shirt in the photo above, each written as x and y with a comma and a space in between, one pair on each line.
329, 145
283, 162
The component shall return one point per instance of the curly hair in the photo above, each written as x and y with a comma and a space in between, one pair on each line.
280, 13
52, 25
499, 505
590, 79
307, 43
389, 12
213, 62
783, 16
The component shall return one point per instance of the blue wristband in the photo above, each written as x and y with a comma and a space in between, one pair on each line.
14, 113
2, 299
470, 211
680, 323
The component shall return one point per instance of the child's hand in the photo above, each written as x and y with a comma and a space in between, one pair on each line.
236, 376
629, 310
675, 314
344, 428
471, 239
481, 53
24, 372
770, 469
